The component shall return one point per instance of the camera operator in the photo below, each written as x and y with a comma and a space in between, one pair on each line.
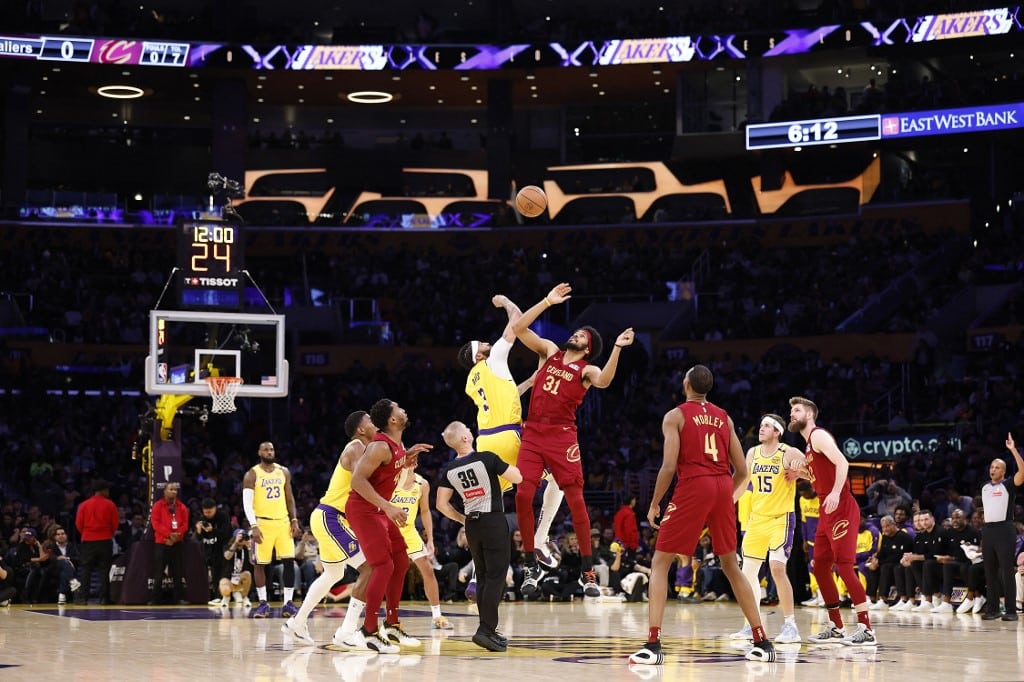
236, 580
213, 531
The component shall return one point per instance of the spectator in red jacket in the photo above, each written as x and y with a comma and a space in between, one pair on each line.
626, 530
97, 521
169, 519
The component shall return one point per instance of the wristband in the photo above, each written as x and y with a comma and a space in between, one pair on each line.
547, 301
618, 346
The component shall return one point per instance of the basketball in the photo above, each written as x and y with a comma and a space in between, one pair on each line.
531, 201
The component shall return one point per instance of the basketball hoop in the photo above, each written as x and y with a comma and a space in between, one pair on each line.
223, 391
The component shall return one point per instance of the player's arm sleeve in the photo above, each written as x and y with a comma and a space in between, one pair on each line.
498, 359
248, 497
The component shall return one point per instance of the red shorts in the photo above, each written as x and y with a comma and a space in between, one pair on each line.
552, 447
386, 536
698, 502
835, 541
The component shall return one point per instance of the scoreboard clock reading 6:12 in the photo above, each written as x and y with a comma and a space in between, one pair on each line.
210, 262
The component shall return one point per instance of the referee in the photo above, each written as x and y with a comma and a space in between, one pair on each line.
999, 535
474, 476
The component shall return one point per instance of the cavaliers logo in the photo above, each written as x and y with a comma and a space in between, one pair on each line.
573, 453
119, 52
840, 529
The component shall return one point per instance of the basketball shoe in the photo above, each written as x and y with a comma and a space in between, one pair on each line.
302, 634
649, 654
588, 581
761, 651
531, 581
393, 632
862, 636
262, 610
829, 635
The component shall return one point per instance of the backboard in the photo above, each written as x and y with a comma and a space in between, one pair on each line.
186, 347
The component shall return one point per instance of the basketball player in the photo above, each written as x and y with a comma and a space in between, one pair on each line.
769, 535
413, 495
338, 544
835, 542
700, 444
549, 437
499, 414
372, 515
473, 475
270, 509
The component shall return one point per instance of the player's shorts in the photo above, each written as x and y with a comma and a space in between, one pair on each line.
277, 539
387, 541
504, 442
835, 541
414, 544
698, 502
554, 447
769, 537
337, 541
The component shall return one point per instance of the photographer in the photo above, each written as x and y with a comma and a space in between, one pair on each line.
236, 580
213, 531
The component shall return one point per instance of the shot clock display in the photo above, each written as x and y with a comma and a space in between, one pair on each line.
210, 263
814, 132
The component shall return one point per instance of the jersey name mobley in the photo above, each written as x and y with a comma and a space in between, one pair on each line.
707, 420
212, 281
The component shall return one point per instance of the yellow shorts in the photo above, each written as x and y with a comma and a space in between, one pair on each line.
337, 541
277, 538
769, 537
414, 542
506, 446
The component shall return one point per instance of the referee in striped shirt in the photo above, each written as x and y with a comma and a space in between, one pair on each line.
474, 476
999, 534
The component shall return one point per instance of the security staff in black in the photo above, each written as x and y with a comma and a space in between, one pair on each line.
474, 476
999, 536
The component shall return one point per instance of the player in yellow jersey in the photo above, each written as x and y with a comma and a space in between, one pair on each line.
338, 544
810, 511
413, 495
500, 413
270, 509
769, 535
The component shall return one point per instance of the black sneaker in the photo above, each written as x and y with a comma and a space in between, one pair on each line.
531, 581
588, 581
761, 651
489, 641
649, 654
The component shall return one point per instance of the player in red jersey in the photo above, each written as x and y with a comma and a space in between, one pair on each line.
700, 444
835, 542
370, 513
549, 435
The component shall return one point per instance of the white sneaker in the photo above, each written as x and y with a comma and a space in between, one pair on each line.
74, 584
979, 604
395, 633
879, 605
816, 600
223, 601
943, 607
649, 654
830, 634
936, 600
924, 607
301, 634
789, 634
902, 606
61, 599
236, 597
861, 636
744, 633
965, 606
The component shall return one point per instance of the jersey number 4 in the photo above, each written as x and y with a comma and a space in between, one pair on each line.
711, 446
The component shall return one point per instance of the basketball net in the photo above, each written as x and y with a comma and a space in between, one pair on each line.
223, 391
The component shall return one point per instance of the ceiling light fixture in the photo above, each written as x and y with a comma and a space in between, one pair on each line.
120, 91
369, 97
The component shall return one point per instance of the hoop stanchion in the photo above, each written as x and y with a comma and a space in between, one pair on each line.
223, 391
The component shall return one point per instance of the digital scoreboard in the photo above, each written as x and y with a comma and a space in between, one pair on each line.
211, 260
791, 134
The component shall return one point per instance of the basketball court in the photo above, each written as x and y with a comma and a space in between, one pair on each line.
561, 641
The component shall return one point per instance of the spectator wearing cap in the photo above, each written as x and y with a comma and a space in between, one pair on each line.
97, 521
213, 531
23, 557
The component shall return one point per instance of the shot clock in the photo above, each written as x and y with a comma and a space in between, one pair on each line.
210, 263
814, 132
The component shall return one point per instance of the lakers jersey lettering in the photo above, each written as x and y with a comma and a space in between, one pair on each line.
773, 494
269, 499
496, 399
409, 500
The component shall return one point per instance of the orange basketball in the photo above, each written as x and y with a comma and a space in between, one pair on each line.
531, 201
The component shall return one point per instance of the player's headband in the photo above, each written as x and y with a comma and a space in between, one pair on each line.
587, 332
474, 348
774, 423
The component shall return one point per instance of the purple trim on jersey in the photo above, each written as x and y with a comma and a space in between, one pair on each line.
501, 429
